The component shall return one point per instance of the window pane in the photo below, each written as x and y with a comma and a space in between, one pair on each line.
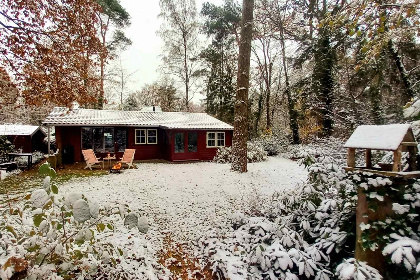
211, 135
109, 139
220, 139
121, 139
179, 142
140, 136
86, 138
151, 136
192, 142
98, 139
211, 143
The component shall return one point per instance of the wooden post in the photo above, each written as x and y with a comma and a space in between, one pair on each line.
368, 157
397, 160
366, 215
351, 157
49, 139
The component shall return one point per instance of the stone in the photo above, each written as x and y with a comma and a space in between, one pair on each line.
131, 220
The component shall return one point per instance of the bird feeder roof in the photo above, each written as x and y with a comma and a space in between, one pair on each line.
380, 137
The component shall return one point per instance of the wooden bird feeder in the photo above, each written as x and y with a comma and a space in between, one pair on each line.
397, 138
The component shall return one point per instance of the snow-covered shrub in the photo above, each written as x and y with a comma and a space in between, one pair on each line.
303, 234
255, 153
53, 237
223, 155
272, 143
5, 147
351, 269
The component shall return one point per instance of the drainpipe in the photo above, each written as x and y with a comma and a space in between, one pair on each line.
48, 127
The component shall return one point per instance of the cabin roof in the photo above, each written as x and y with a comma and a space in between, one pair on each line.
61, 116
19, 130
380, 137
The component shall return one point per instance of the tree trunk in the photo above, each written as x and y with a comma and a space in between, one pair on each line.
403, 72
240, 133
293, 114
187, 78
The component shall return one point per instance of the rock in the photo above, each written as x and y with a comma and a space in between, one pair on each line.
131, 220
143, 225
72, 198
39, 197
81, 211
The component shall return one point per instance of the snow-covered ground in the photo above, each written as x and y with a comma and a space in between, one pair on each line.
187, 199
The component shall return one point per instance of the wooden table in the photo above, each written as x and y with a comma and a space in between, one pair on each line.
109, 159
12, 156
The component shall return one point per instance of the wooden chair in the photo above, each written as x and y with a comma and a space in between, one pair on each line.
91, 159
128, 157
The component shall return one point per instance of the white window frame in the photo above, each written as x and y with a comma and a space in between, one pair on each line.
156, 136
145, 136
216, 138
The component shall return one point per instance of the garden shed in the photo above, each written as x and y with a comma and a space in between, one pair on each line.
397, 138
29, 138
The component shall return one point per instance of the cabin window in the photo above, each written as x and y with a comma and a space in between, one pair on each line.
140, 136
86, 138
100, 139
179, 142
121, 139
146, 136
192, 142
215, 139
152, 136
109, 139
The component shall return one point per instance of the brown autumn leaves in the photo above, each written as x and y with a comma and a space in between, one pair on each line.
50, 50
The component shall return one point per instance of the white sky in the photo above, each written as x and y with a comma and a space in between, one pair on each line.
143, 55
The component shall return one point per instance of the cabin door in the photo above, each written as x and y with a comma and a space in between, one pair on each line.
185, 146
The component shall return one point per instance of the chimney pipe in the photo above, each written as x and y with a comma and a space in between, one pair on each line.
154, 108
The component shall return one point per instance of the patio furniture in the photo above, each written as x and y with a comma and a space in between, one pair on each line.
109, 159
12, 156
90, 159
128, 157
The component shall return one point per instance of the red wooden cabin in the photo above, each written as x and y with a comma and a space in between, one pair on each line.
29, 138
172, 136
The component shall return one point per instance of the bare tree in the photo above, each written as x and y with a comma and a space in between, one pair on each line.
240, 134
179, 33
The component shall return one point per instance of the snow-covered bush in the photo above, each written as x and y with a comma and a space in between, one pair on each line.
272, 143
303, 234
5, 147
255, 153
53, 237
309, 232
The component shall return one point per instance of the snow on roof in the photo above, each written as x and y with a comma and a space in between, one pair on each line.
378, 137
61, 116
18, 129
